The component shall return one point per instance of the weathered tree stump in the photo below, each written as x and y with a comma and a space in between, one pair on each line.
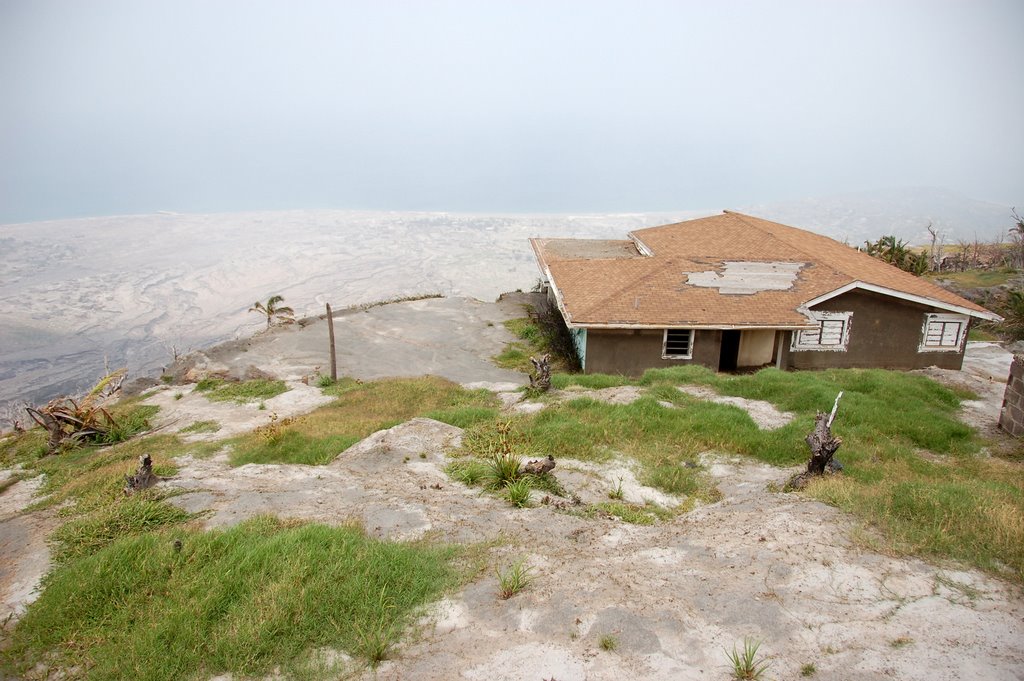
823, 445
540, 379
143, 478
538, 466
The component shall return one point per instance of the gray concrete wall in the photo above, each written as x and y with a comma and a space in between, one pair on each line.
1011, 418
630, 352
885, 333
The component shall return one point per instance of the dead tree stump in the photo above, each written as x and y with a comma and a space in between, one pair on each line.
540, 379
539, 466
823, 445
143, 478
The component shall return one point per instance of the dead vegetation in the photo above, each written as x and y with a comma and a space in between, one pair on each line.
70, 422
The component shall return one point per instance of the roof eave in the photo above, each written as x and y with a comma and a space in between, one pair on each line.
911, 297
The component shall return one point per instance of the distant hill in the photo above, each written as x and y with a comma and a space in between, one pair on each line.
905, 212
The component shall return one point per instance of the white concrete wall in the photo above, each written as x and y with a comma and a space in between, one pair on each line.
756, 347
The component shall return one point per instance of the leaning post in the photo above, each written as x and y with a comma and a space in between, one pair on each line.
330, 331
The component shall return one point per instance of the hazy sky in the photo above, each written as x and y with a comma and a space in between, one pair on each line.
138, 106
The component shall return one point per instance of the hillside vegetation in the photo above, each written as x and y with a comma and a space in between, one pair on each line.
139, 590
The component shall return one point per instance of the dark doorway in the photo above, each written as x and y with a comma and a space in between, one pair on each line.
730, 351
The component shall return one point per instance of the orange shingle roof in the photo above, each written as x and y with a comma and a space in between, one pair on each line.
631, 289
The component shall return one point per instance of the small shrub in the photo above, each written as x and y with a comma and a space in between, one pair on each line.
502, 471
513, 580
747, 664
178, 396
518, 493
128, 424
616, 492
324, 381
808, 669
608, 642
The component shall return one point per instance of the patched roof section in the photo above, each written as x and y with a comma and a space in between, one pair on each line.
724, 270
744, 278
589, 249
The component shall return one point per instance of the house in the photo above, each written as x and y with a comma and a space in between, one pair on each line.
733, 291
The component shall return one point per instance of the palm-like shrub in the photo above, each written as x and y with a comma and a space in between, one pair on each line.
273, 310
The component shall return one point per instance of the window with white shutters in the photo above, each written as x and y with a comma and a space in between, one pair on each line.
677, 344
943, 332
833, 333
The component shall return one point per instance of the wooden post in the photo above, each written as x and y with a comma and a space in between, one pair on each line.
334, 357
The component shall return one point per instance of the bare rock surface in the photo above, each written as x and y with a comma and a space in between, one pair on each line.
773, 566
776, 567
454, 338
23, 549
177, 413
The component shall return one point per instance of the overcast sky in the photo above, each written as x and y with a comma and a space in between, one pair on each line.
138, 106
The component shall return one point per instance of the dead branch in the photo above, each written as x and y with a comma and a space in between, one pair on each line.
143, 478
540, 379
823, 445
538, 466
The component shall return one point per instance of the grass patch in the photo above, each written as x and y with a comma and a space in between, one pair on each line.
532, 339
463, 417
244, 600
120, 518
974, 278
972, 510
256, 390
359, 410
201, 427
634, 514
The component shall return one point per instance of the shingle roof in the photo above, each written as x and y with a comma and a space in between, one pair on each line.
614, 285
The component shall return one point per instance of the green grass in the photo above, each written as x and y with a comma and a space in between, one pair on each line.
975, 278
359, 410
219, 390
245, 600
201, 427
532, 340
117, 519
977, 334
747, 663
970, 510
607, 643
514, 579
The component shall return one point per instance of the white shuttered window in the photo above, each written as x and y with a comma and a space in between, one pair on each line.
833, 333
943, 332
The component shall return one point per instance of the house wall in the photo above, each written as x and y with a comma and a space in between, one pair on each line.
885, 333
756, 347
632, 351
